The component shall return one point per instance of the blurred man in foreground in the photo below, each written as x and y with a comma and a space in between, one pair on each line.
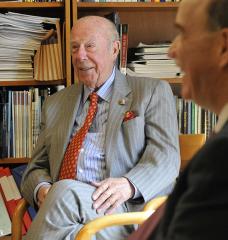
198, 207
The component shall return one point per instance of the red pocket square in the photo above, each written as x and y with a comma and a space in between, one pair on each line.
128, 116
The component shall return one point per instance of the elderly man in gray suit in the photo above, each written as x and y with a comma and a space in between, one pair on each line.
129, 155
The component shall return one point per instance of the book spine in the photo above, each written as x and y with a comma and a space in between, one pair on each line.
124, 47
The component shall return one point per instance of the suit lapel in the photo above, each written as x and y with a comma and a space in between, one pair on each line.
121, 92
66, 123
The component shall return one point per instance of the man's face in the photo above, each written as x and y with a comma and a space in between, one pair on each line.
195, 51
93, 53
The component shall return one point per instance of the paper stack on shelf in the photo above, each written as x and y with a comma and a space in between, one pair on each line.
20, 37
153, 61
48, 61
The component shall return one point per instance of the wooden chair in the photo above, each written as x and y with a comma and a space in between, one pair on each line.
189, 144
119, 219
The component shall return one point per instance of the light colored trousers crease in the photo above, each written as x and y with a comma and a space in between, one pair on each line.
67, 207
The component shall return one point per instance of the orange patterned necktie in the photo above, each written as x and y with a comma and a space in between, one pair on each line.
69, 164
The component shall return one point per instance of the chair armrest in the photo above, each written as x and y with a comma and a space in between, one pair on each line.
17, 219
154, 203
119, 219
110, 220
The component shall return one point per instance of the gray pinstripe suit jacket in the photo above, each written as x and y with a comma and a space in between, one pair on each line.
144, 149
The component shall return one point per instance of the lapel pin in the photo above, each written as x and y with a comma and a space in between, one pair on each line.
122, 101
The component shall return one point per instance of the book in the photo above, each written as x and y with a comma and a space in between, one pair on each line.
124, 47
7, 196
3, 124
17, 196
17, 173
5, 222
11, 196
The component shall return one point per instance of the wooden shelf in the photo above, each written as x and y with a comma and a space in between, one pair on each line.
14, 160
31, 83
50, 9
31, 4
174, 80
5, 238
59, 10
125, 6
143, 18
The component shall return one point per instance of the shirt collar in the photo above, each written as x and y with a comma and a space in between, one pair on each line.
104, 91
222, 119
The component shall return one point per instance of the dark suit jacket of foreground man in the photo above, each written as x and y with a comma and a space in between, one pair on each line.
198, 207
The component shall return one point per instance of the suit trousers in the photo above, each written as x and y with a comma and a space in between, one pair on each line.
67, 207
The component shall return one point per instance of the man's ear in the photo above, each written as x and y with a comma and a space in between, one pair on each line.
116, 48
224, 50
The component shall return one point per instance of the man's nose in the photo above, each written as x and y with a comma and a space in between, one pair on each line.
81, 53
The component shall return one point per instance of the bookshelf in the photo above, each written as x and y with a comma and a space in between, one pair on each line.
31, 83
26, 5
6, 161
148, 22
142, 18
174, 80
60, 10
145, 17
157, 19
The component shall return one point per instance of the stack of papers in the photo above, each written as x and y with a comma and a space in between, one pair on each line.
153, 61
20, 37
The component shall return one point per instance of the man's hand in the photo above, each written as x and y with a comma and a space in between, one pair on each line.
111, 193
42, 193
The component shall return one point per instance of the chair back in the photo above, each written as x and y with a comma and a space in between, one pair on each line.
189, 145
